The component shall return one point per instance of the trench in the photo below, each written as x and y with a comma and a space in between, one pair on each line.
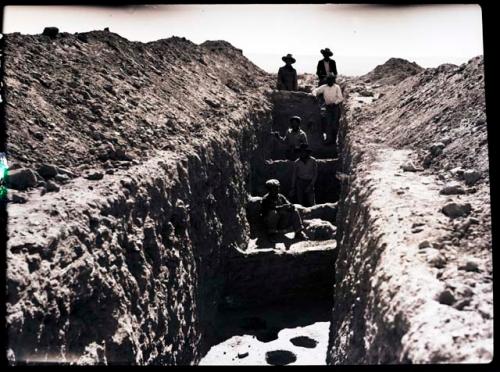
277, 298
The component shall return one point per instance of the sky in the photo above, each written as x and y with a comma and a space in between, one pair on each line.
360, 36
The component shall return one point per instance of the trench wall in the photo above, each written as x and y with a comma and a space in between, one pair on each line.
128, 270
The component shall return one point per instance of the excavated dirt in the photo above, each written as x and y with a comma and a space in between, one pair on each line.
134, 232
414, 267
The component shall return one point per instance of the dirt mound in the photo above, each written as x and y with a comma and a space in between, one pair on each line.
93, 99
392, 72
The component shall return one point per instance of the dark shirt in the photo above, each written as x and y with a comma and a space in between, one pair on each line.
287, 78
270, 202
320, 70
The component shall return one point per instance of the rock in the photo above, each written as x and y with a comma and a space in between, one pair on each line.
424, 244
94, 176
454, 210
17, 198
52, 186
38, 135
47, 170
61, 178
471, 177
317, 229
436, 148
50, 32
446, 297
470, 265
410, 167
22, 179
304, 341
452, 188
366, 93
242, 355
435, 258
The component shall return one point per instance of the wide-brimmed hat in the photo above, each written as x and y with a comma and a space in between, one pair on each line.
272, 183
288, 57
305, 147
298, 118
326, 52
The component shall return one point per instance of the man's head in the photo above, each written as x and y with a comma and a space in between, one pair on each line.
304, 151
295, 122
288, 59
330, 79
327, 53
273, 186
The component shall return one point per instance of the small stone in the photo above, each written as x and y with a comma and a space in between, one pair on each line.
461, 304
471, 177
446, 297
17, 198
452, 188
38, 135
242, 355
52, 186
110, 171
424, 244
436, 148
61, 178
94, 176
435, 258
410, 167
454, 210
470, 265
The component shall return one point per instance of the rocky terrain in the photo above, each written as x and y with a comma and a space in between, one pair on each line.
414, 268
136, 173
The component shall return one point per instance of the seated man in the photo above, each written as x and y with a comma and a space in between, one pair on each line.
305, 172
294, 137
278, 213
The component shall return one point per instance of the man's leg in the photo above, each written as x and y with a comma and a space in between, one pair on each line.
329, 123
310, 198
335, 122
299, 191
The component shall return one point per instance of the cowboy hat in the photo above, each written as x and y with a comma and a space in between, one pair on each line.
326, 52
272, 183
288, 57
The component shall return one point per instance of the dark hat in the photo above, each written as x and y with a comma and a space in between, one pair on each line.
288, 57
305, 147
326, 52
298, 118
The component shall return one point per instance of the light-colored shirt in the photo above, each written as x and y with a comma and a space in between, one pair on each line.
294, 139
331, 94
327, 66
306, 170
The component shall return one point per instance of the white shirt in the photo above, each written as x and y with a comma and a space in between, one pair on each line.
331, 94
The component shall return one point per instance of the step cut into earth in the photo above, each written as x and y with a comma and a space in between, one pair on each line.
139, 170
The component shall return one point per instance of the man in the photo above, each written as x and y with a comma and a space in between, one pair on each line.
287, 75
305, 173
325, 66
279, 214
332, 95
294, 137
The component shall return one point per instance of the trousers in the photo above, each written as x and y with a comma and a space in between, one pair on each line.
305, 198
283, 219
332, 117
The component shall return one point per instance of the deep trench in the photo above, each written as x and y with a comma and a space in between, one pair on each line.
272, 289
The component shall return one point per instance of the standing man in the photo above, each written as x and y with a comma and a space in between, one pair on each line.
293, 138
305, 173
332, 95
325, 66
287, 75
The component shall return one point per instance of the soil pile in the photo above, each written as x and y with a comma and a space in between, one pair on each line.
392, 72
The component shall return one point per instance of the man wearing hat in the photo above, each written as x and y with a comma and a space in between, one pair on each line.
278, 213
287, 75
305, 173
325, 66
332, 94
294, 137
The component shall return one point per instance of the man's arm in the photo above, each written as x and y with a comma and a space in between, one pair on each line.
334, 67
339, 94
315, 172
318, 90
295, 80
279, 84
318, 70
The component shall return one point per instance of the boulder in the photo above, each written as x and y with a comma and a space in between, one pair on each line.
471, 177
94, 176
454, 210
50, 32
52, 186
47, 170
21, 179
317, 229
436, 148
